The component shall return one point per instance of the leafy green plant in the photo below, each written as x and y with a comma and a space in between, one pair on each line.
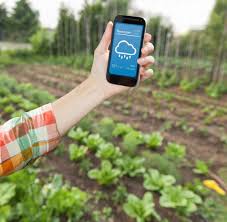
153, 140
9, 109
105, 128
77, 134
85, 165
131, 141
108, 151
190, 85
161, 163
216, 90
121, 129
93, 141
175, 151
7, 191
155, 181
102, 216
120, 194
131, 166
106, 174
181, 199
77, 152
69, 201
201, 167
141, 209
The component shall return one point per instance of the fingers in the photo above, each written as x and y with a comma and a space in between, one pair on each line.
145, 61
147, 49
145, 74
106, 39
147, 37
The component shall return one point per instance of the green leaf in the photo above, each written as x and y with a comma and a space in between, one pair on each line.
141, 209
7, 191
153, 140
155, 181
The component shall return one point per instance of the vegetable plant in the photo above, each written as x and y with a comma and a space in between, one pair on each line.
181, 199
155, 181
175, 151
120, 194
108, 151
201, 167
7, 191
131, 166
106, 174
131, 141
93, 141
141, 209
121, 129
77, 152
105, 128
153, 140
77, 134
69, 201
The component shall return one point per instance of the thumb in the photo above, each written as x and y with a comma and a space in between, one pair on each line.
106, 38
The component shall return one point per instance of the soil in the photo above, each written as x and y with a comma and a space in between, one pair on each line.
185, 113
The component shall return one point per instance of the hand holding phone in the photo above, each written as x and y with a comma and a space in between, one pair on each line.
126, 43
101, 58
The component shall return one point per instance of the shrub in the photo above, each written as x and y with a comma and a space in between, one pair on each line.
41, 42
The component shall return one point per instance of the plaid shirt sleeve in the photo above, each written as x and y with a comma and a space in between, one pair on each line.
24, 139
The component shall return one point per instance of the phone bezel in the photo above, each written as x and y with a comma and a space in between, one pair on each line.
118, 79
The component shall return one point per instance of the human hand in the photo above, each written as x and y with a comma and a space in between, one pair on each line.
101, 56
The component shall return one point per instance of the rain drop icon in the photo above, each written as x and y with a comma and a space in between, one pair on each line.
125, 50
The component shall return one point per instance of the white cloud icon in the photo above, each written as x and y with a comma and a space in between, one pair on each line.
125, 50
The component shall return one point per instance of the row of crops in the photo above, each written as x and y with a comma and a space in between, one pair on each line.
112, 156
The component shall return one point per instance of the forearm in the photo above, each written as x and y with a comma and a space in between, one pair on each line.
72, 107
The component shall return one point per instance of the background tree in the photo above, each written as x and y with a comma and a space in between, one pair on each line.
65, 36
217, 37
3, 22
159, 30
23, 22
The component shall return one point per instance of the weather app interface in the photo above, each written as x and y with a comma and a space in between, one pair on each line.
125, 49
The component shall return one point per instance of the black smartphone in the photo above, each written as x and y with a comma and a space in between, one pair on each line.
125, 49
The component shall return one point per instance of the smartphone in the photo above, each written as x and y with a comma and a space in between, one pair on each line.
125, 49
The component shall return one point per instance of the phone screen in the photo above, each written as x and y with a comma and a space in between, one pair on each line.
126, 46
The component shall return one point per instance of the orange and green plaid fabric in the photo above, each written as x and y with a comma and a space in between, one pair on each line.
24, 139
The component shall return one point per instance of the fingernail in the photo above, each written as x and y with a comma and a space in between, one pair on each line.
150, 71
152, 58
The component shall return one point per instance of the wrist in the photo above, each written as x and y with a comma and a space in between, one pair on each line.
101, 88
97, 88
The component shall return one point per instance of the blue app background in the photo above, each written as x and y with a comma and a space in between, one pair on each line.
125, 49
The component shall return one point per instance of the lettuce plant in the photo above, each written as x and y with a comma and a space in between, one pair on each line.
77, 152
131, 166
93, 141
77, 134
108, 151
121, 129
175, 151
181, 199
201, 167
106, 174
153, 140
155, 181
7, 191
141, 209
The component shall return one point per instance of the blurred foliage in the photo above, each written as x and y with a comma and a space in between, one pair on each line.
21, 24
